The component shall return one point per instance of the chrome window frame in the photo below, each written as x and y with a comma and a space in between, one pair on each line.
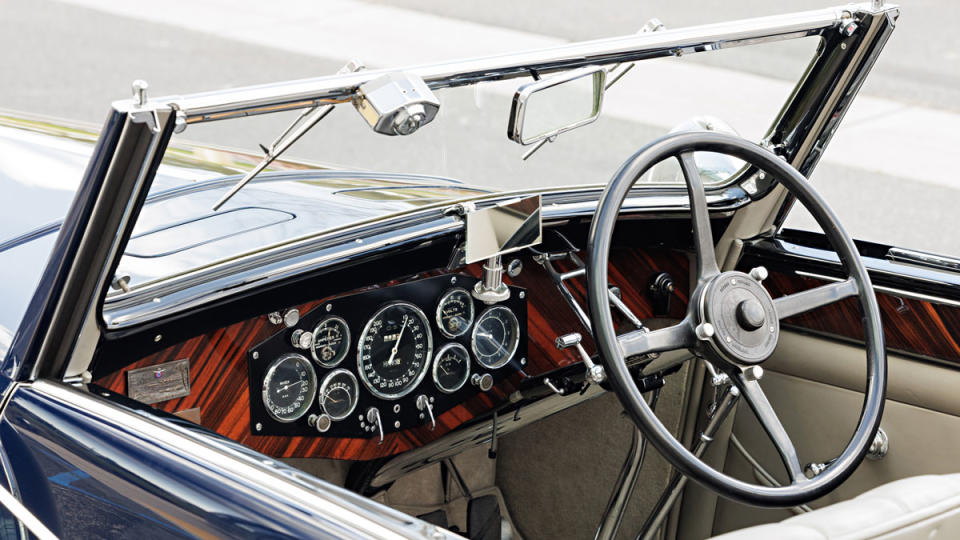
74, 285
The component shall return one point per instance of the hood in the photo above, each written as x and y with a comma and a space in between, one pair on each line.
42, 163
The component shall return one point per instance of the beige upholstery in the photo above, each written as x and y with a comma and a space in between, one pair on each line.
920, 507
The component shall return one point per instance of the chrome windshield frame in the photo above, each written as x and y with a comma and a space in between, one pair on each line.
70, 298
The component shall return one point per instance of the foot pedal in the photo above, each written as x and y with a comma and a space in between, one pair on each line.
483, 518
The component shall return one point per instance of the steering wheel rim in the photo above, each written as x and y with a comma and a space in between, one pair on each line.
704, 301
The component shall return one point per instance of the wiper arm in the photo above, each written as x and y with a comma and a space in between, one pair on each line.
292, 134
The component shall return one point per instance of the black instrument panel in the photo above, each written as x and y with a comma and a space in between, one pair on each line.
388, 358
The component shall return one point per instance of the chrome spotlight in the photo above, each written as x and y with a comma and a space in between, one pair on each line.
396, 103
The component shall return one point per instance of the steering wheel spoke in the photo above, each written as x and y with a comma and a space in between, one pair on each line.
794, 304
702, 233
679, 336
757, 399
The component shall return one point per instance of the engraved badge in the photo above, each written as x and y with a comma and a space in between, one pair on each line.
159, 382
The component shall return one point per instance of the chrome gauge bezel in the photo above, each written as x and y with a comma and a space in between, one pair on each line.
439, 316
322, 391
436, 364
346, 338
268, 375
427, 361
513, 345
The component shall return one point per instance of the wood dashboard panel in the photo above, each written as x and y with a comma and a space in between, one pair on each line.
218, 371
910, 326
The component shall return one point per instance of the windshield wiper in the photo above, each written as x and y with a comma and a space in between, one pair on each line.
292, 134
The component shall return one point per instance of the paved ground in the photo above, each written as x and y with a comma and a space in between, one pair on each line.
889, 172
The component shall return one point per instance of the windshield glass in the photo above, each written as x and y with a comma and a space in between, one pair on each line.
468, 139
348, 173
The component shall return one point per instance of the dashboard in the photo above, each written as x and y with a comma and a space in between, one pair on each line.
305, 388
384, 360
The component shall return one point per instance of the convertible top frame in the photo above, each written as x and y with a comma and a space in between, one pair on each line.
69, 300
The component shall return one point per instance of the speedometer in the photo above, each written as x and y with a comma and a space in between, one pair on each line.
393, 355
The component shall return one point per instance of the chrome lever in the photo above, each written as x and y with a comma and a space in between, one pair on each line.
373, 416
423, 404
595, 373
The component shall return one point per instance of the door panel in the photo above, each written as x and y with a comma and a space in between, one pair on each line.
816, 376
809, 383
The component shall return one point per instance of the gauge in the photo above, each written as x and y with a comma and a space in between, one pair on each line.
289, 387
455, 312
495, 337
451, 367
331, 341
393, 354
338, 394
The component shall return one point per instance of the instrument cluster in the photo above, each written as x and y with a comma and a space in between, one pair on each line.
385, 360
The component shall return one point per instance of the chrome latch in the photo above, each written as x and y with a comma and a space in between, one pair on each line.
878, 450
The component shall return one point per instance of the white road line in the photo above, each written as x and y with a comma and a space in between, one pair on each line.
878, 135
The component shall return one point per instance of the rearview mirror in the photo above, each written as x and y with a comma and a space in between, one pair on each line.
507, 227
543, 109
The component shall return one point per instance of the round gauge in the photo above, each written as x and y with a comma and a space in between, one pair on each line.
393, 354
451, 367
338, 394
455, 312
331, 341
289, 387
495, 337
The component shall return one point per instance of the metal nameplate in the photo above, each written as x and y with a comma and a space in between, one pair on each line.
159, 382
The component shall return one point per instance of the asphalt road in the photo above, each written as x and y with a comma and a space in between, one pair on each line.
68, 60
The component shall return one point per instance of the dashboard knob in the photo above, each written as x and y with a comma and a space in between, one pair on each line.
759, 273
301, 339
321, 423
483, 382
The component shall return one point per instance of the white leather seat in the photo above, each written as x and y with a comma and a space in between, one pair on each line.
921, 507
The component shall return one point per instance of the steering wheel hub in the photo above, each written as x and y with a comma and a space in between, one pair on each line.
746, 327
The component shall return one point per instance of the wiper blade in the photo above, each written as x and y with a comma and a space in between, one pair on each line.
292, 134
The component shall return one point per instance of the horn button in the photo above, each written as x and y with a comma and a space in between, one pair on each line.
746, 327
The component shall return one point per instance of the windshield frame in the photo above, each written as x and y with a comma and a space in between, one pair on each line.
70, 298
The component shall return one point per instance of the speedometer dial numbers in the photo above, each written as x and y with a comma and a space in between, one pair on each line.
455, 312
338, 395
331, 341
495, 337
288, 388
394, 352
451, 367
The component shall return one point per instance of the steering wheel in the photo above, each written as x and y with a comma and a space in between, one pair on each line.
732, 321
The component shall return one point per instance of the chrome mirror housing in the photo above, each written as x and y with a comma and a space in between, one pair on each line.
507, 227
546, 108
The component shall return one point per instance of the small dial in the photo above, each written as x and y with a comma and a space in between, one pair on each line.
338, 394
394, 351
331, 341
455, 312
495, 337
289, 387
451, 367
